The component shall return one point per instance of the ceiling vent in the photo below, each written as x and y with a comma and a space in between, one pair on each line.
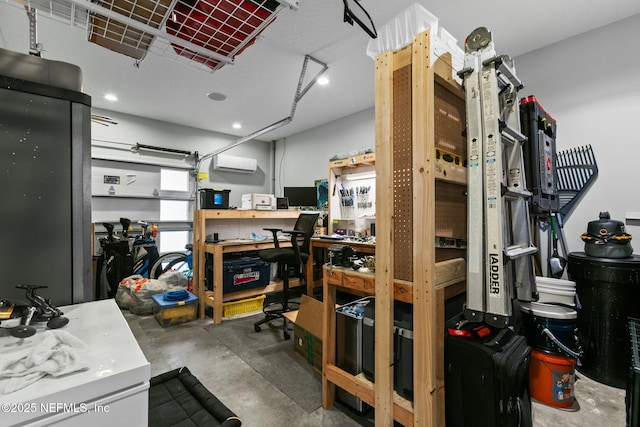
226, 163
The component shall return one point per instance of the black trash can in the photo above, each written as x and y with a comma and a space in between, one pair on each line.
609, 292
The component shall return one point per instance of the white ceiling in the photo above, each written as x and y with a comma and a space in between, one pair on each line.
261, 84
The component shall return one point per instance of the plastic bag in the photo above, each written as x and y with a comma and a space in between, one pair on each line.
123, 293
123, 297
399, 32
142, 290
174, 280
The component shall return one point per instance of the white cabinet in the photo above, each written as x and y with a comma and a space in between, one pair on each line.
113, 391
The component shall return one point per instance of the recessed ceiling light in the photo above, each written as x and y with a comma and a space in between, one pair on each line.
110, 97
323, 80
237, 126
216, 96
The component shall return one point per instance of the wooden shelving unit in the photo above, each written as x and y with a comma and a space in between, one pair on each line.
450, 276
352, 174
207, 219
419, 108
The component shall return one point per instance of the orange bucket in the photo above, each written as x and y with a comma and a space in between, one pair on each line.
551, 379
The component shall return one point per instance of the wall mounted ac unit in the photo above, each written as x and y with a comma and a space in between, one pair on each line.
226, 163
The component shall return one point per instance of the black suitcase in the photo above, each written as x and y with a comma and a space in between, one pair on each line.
487, 378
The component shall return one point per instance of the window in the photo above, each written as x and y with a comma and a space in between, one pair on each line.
174, 180
174, 210
173, 241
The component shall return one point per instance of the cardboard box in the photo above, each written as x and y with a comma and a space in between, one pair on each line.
169, 313
307, 332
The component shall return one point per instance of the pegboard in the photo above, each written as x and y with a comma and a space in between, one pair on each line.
451, 210
449, 122
402, 175
449, 125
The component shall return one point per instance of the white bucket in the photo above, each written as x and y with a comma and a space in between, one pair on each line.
556, 291
559, 283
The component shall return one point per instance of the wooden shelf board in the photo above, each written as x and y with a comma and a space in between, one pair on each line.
248, 214
448, 272
450, 172
273, 286
362, 388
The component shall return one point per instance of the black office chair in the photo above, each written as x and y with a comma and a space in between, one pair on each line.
295, 256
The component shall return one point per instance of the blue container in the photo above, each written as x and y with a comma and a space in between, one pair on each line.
162, 302
170, 312
560, 323
245, 273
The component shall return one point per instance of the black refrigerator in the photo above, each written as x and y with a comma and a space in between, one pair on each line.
45, 161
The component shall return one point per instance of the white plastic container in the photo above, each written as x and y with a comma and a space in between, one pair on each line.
556, 291
560, 283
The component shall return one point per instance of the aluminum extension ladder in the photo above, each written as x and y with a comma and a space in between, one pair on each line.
499, 249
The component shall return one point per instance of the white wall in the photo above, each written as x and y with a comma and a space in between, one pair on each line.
590, 83
133, 129
304, 157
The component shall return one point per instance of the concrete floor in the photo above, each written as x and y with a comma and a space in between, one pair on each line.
260, 404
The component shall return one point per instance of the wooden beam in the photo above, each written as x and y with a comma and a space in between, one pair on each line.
384, 239
450, 172
198, 262
450, 271
248, 214
439, 365
328, 340
424, 298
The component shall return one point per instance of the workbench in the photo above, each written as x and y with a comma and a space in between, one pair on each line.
233, 228
318, 242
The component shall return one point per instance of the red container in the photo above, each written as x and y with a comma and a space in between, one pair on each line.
551, 379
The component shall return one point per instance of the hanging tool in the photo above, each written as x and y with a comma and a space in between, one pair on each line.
557, 264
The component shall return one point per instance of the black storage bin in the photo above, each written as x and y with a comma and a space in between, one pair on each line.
214, 199
609, 291
403, 365
632, 398
349, 349
245, 273
402, 347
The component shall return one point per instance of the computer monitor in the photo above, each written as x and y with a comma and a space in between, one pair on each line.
301, 196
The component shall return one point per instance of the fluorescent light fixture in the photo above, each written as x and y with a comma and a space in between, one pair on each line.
111, 97
357, 176
236, 126
323, 81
